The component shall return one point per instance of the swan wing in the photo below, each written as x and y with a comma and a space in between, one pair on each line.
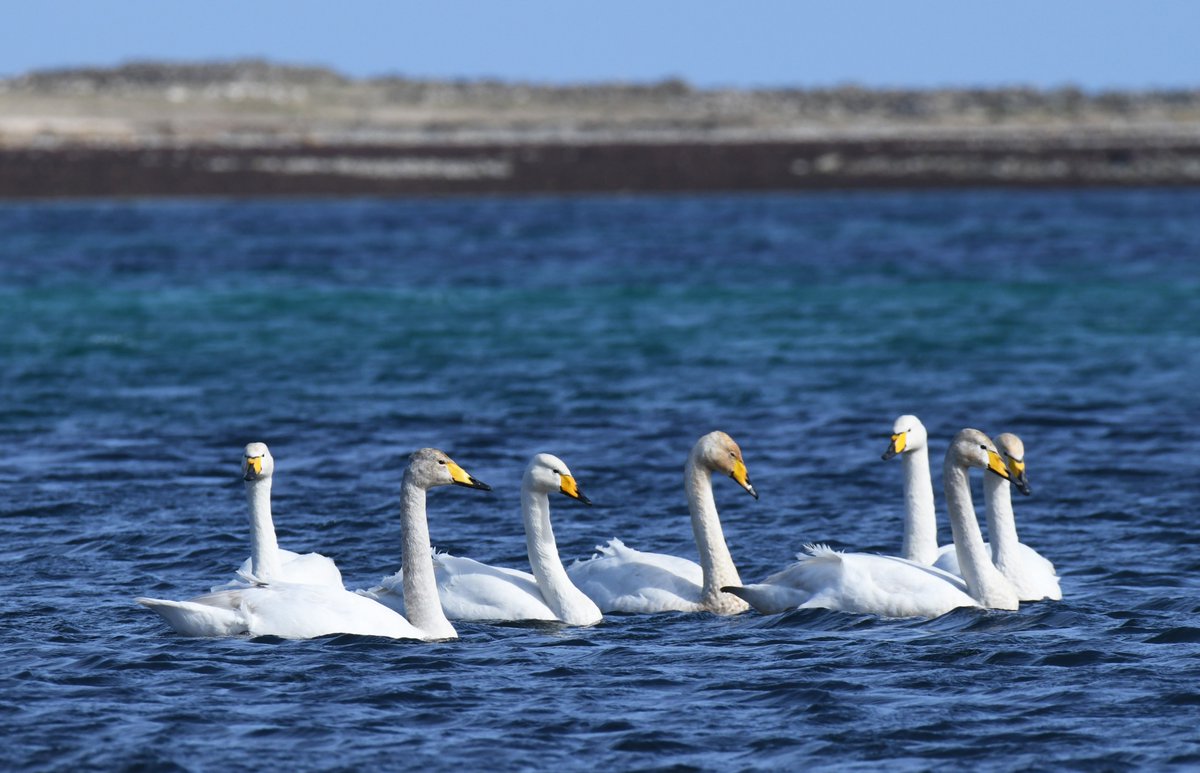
620, 579
860, 583
296, 568
947, 559
1035, 579
470, 590
289, 611
1038, 579
310, 569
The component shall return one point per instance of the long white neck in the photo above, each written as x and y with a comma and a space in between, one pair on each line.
985, 584
1002, 525
567, 602
265, 563
715, 560
920, 518
421, 602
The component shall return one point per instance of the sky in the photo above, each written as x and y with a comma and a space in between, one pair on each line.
1093, 44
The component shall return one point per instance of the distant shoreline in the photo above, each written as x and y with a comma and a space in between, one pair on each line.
353, 170
254, 128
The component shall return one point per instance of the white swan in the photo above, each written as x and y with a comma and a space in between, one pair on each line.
267, 560
889, 586
910, 443
470, 590
1033, 575
621, 579
299, 611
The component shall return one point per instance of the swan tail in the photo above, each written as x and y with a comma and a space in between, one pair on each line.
613, 549
767, 599
192, 619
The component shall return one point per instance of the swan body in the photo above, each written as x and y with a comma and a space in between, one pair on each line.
1030, 573
470, 590
621, 579
864, 583
286, 610
895, 587
267, 560
273, 607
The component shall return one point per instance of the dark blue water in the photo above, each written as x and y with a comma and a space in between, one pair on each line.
143, 344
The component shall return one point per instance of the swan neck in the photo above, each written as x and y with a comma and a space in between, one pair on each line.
920, 517
984, 583
715, 560
1002, 525
567, 602
421, 602
265, 563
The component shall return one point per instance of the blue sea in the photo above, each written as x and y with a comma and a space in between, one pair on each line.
143, 343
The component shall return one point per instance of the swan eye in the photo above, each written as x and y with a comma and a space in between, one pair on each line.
981, 445
441, 461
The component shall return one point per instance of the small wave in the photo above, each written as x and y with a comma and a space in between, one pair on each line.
1183, 635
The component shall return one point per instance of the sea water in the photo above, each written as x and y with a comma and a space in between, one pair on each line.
142, 344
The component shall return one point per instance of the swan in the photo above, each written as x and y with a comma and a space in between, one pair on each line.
910, 443
890, 586
621, 579
1033, 575
470, 590
299, 611
267, 560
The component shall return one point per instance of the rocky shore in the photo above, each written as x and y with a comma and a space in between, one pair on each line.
255, 128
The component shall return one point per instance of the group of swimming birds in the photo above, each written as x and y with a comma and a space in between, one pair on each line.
280, 593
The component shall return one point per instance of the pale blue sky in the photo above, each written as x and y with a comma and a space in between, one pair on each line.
1096, 44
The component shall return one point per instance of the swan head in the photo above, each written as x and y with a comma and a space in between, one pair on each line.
720, 453
972, 448
547, 474
257, 462
1012, 451
430, 467
908, 434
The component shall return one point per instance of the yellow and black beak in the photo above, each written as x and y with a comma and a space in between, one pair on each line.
568, 486
742, 477
1016, 473
251, 467
462, 478
997, 465
897, 446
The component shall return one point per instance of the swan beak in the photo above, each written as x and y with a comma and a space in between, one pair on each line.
462, 478
742, 477
997, 465
251, 467
899, 443
568, 486
1016, 472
